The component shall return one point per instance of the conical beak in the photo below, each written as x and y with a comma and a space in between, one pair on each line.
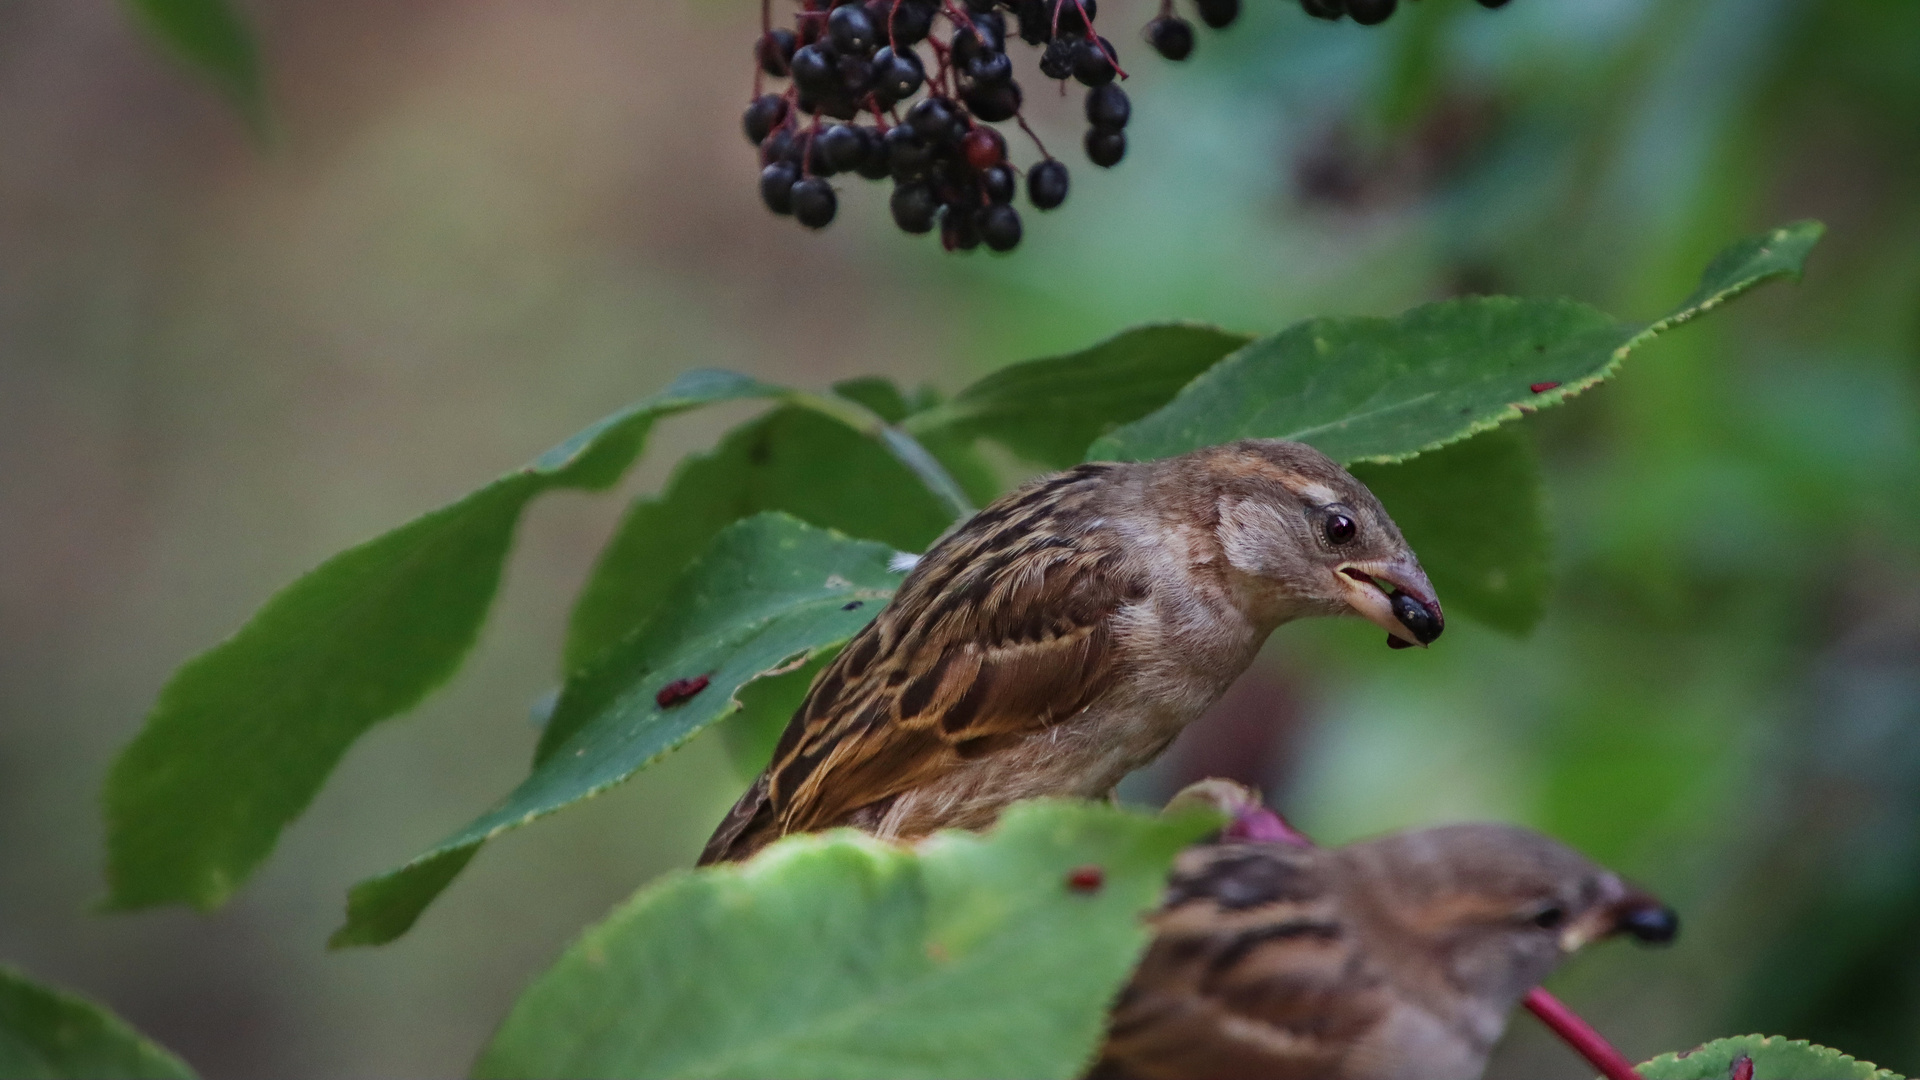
1395, 595
1635, 914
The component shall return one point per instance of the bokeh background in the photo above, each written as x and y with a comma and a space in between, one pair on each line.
480, 225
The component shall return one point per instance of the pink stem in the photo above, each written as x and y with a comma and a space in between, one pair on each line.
1580, 1035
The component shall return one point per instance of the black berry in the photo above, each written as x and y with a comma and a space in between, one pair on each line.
1218, 14
850, 30
1093, 61
978, 37
999, 184
990, 69
957, 230
775, 50
908, 154
1036, 25
816, 156
1324, 9
1171, 36
1047, 184
780, 146
994, 103
933, 118
762, 116
1493, 3
913, 206
1057, 61
897, 75
1105, 148
856, 74
1370, 12
1108, 108
814, 202
874, 161
1000, 227
912, 21
776, 186
1074, 16
843, 146
815, 70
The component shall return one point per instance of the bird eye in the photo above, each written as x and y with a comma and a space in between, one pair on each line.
1549, 918
1340, 529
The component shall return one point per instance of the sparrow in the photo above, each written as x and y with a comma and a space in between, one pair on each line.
1061, 637
1397, 958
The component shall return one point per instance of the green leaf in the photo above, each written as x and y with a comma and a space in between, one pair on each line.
878, 394
768, 595
1774, 1058
210, 35
1368, 389
1050, 410
1473, 511
836, 955
243, 736
46, 1035
794, 460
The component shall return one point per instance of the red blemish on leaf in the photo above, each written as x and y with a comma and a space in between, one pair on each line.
679, 690
1742, 1068
1542, 387
1086, 879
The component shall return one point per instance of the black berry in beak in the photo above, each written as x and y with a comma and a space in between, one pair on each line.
1651, 923
1422, 622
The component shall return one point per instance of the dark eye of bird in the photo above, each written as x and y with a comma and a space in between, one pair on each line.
1550, 918
1340, 529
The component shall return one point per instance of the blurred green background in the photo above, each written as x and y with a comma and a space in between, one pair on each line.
484, 224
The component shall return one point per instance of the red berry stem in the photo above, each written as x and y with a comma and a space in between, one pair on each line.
1580, 1035
1021, 119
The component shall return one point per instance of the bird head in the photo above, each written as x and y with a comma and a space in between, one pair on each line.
1498, 907
1305, 538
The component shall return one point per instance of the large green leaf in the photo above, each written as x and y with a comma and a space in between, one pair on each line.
212, 37
1773, 1057
1473, 511
767, 595
1049, 410
795, 460
244, 735
1368, 389
838, 956
46, 1034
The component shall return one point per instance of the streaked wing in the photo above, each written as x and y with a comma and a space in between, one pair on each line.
1002, 629
1251, 974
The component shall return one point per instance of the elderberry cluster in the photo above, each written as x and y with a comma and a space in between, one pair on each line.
862, 99
855, 104
1365, 12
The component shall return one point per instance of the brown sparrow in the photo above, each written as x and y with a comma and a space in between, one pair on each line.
1061, 637
1397, 958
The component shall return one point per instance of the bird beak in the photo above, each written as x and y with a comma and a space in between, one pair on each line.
1635, 914
1395, 595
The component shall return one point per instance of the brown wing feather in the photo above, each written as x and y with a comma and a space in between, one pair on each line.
1003, 629
1252, 973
